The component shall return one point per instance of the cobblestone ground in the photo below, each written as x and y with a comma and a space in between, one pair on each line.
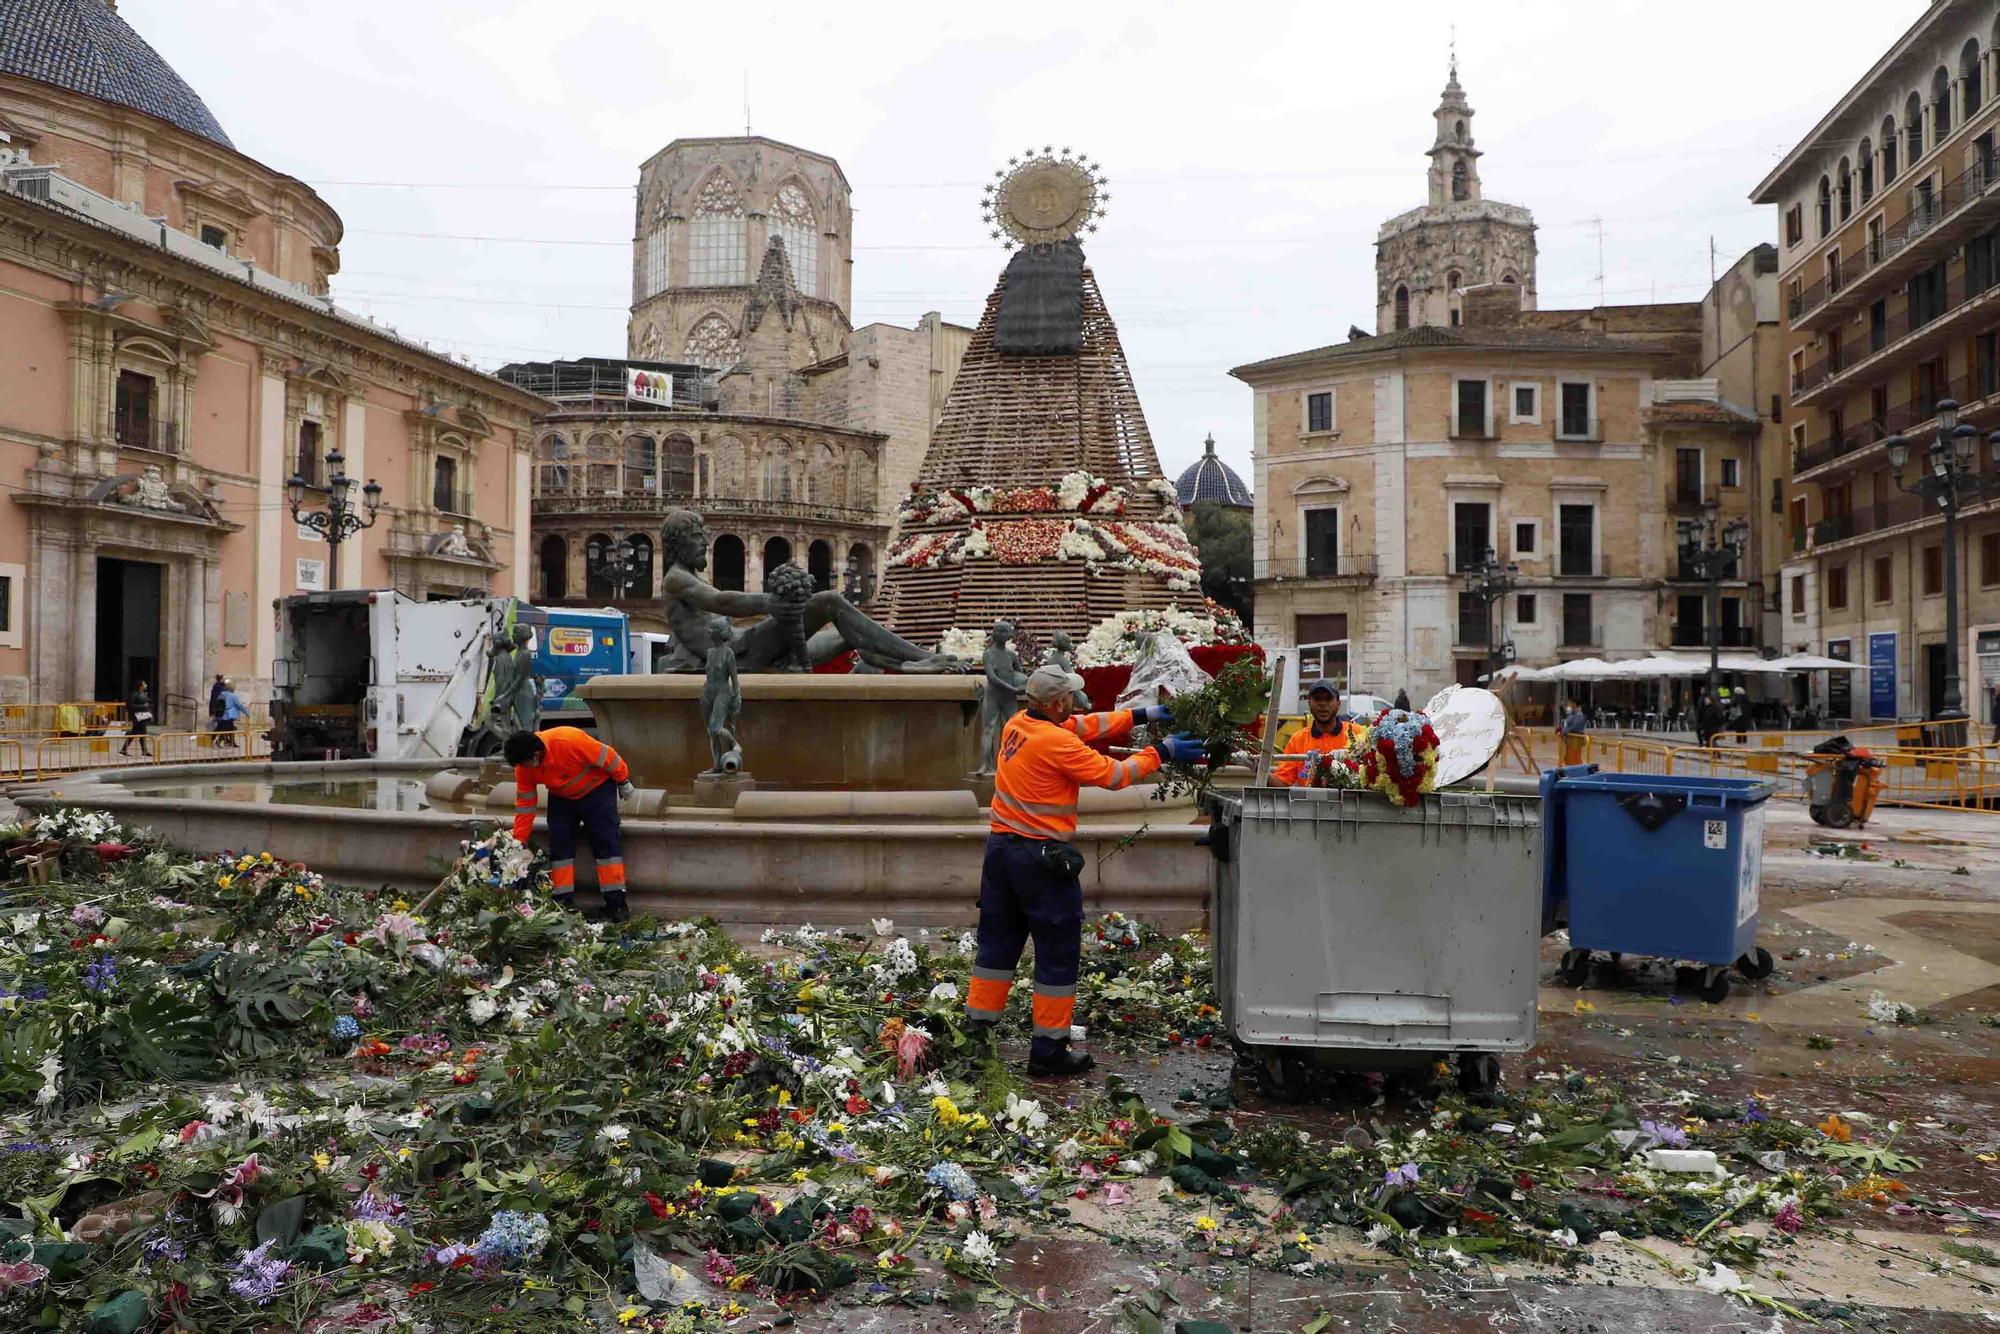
1911, 908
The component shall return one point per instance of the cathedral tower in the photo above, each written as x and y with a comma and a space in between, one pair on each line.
1424, 258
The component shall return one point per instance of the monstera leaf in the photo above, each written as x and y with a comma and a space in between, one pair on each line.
263, 993
161, 1035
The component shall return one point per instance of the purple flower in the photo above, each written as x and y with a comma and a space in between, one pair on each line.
1788, 1219
101, 975
1754, 1111
373, 1208
166, 1249
258, 1275
1406, 1175
1664, 1133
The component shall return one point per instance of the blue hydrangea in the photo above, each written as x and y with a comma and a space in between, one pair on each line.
953, 1180
512, 1237
346, 1028
102, 975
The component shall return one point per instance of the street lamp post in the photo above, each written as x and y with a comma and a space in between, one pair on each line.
617, 565
1714, 551
1490, 581
339, 520
1948, 480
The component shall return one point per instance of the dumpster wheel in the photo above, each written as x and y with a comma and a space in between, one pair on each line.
1575, 967
1757, 964
1283, 1076
1478, 1072
1709, 983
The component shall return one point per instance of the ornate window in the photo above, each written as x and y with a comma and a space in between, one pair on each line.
1888, 149
653, 279
1460, 186
601, 475
792, 219
642, 477
1402, 308
677, 466
777, 471
648, 346
718, 236
712, 342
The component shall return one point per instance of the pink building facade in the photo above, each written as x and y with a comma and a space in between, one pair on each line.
169, 357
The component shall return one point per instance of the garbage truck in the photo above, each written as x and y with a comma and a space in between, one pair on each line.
372, 674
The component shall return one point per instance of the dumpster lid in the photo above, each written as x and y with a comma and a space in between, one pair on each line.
1698, 791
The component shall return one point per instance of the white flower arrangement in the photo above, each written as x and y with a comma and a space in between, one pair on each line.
481, 1008
1079, 542
900, 959
73, 824
1114, 641
974, 547
979, 1250
967, 645
1024, 1115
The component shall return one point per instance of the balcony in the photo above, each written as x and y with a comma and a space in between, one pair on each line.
450, 500
1919, 239
1891, 513
1695, 636
1912, 417
712, 507
1683, 498
1348, 568
1905, 332
147, 433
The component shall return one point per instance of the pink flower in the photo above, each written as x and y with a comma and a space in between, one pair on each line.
245, 1173
191, 1129
910, 1049
1116, 1193
1788, 1218
1087, 1172
22, 1275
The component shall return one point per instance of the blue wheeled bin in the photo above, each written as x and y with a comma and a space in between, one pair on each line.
1658, 865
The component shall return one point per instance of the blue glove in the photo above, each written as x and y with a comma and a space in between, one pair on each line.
1152, 713
1182, 748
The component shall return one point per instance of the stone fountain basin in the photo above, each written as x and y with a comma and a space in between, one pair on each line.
827, 867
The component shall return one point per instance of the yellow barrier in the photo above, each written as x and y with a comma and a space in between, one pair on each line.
73, 716
73, 754
13, 759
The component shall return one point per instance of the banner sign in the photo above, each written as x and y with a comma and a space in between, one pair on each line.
1882, 675
649, 387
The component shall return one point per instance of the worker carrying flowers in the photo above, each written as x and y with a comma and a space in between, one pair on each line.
1028, 886
585, 778
1325, 732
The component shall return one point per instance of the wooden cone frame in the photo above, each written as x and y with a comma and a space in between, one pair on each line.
1014, 421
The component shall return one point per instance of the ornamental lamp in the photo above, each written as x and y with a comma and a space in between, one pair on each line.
1899, 451
1961, 443
338, 483
1947, 415
295, 488
1940, 456
1993, 447
371, 496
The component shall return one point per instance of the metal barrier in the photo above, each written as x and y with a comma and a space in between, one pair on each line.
71, 716
1959, 778
72, 754
13, 759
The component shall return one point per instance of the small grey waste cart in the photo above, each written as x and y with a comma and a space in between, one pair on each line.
1355, 934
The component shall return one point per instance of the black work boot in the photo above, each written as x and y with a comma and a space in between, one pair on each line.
567, 902
615, 907
1056, 1060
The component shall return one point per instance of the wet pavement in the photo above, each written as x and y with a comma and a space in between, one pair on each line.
1909, 909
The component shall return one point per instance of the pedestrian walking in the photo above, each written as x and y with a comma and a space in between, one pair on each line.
233, 711
139, 709
585, 778
1575, 734
1028, 885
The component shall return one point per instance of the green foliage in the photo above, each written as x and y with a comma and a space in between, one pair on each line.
1222, 535
1219, 714
161, 1036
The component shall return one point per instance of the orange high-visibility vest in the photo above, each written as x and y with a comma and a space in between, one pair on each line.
1303, 742
1043, 763
575, 763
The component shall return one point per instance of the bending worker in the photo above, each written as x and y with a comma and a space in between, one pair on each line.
1325, 732
585, 779
1028, 886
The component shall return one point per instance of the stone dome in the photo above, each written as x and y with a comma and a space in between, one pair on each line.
83, 45
1210, 481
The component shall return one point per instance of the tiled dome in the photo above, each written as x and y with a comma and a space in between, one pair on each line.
83, 45
1210, 481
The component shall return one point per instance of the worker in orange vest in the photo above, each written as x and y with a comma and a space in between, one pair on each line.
1028, 887
1325, 732
585, 778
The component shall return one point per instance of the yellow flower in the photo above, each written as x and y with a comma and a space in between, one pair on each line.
730, 1310
1303, 1240
404, 1152
784, 1097
1585, 1007
750, 1121
947, 1110
225, 882
264, 857
738, 1282
798, 1174
882, 1263
528, 1283
628, 1315
837, 1128
978, 1121
400, 905
1206, 1224
322, 1162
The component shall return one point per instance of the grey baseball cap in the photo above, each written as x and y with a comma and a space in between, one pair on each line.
1051, 682
1323, 684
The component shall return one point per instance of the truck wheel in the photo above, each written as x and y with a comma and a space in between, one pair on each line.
1575, 967
1839, 815
1478, 1072
1757, 964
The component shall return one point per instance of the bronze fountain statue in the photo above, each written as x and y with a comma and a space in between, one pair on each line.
831, 623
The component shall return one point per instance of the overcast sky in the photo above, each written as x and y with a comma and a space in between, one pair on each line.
484, 156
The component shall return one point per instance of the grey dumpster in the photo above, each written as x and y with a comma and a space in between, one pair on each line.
1352, 933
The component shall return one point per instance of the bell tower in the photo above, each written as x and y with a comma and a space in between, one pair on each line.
1454, 161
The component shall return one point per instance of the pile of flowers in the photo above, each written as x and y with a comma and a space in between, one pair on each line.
1078, 492
1401, 760
1115, 640
1161, 548
924, 551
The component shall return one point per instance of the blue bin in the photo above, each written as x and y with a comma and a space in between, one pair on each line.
1650, 864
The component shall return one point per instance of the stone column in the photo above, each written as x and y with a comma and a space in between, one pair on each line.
82, 675
355, 569
272, 517
194, 636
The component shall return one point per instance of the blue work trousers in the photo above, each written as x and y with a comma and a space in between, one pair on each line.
1021, 898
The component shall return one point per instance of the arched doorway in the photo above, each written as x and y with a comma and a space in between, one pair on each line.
599, 548
819, 564
776, 552
725, 562
861, 561
555, 569
642, 562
